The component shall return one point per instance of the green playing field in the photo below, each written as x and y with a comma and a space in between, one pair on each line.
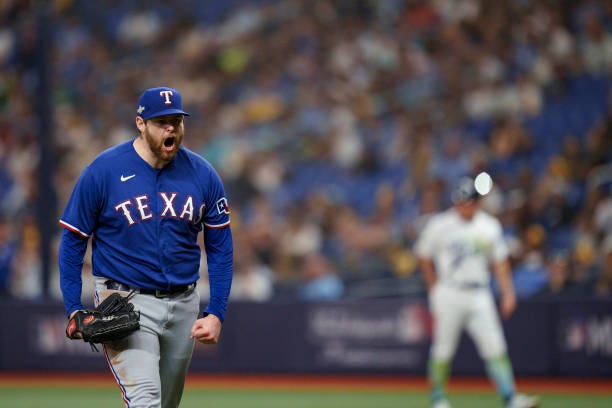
108, 397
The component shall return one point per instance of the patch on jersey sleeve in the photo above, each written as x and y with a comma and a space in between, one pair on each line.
223, 206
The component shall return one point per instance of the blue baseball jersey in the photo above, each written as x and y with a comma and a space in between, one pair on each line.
144, 222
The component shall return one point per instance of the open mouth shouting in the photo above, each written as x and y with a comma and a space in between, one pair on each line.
164, 136
170, 144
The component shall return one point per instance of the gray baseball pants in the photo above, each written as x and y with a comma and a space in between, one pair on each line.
150, 364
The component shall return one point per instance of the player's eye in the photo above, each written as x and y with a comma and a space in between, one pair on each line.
174, 121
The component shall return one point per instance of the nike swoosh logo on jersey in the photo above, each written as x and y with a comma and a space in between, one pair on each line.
126, 178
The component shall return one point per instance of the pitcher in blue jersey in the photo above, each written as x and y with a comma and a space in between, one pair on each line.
143, 204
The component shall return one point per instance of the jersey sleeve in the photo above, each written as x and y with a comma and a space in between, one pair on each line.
83, 205
425, 245
218, 245
70, 260
217, 212
220, 258
78, 220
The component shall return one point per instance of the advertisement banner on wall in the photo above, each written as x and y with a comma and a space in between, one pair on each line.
378, 336
585, 338
41, 343
557, 338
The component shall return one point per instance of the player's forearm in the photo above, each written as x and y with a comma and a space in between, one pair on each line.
503, 273
220, 280
429, 272
220, 259
506, 288
70, 259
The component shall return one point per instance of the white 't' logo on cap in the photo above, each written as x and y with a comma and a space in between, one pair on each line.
166, 94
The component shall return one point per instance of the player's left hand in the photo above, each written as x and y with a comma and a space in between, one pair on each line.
206, 330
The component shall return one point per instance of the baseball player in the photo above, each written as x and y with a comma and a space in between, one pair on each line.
455, 250
143, 203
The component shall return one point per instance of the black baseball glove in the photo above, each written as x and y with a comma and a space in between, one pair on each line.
113, 319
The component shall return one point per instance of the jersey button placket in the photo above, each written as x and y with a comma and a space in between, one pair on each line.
161, 246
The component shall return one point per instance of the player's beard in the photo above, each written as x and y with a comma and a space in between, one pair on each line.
165, 147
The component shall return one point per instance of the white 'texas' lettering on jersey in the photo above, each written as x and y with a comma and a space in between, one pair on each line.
125, 211
200, 214
138, 209
168, 207
142, 204
187, 212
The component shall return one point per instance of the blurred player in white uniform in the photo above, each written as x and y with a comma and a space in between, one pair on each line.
456, 249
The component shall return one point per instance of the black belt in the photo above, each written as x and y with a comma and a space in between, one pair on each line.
158, 293
470, 285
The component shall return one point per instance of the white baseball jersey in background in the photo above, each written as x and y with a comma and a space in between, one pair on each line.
462, 250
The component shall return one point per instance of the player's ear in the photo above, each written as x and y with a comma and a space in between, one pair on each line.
140, 124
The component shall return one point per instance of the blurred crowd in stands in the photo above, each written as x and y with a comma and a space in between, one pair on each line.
338, 127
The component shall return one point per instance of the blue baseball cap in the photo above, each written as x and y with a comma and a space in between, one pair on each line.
160, 101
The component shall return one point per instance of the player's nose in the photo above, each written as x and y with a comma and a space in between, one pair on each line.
170, 127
